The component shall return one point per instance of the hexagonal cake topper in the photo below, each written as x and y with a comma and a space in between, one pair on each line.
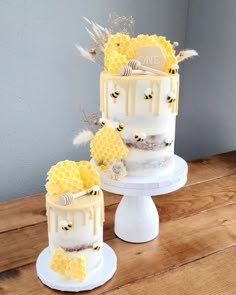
151, 56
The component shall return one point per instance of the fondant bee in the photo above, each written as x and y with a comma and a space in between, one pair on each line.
94, 191
102, 122
148, 93
65, 225
139, 137
174, 69
170, 100
168, 142
120, 127
171, 97
96, 247
115, 93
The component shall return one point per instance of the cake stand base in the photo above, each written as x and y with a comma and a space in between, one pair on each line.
94, 279
136, 218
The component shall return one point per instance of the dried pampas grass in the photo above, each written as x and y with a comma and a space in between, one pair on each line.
185, 54
83, 137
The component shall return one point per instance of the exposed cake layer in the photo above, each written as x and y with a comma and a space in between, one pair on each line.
145, 106
77, 228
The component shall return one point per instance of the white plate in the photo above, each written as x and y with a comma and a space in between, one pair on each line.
93, 280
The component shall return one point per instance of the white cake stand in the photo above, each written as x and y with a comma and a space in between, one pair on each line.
136, 218
95, 278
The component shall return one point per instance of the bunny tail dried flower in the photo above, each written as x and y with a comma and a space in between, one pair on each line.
85, 53
185, 54
83, 137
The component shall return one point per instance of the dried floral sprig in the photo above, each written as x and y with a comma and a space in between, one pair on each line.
91, 120
99, 36
121, 24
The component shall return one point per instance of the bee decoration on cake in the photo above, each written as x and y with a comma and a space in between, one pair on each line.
115, 93
65, 225
139, 137
148, 93
96, 247
171, 97
169, 142
94, 191
174, 69
102, 122
120, 126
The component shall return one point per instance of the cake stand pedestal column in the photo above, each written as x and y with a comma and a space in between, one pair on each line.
136, 218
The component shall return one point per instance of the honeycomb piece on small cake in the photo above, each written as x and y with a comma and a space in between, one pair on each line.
76, 269
59, 261
107, 146
88, 174
64, 177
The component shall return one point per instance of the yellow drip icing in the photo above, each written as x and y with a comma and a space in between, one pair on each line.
86, 205
131, 82
133, 97
48, 217
177, 97
126, 101
151, 100
94, 220
84, 213
101, 94
159, 86
56, 221
106, 99
113, 98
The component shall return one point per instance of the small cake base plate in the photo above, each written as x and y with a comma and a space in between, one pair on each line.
94, 279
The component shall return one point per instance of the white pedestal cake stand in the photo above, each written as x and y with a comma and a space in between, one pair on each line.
95, 278
136, 218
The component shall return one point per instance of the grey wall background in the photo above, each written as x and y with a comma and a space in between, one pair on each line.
206, 123
44, 80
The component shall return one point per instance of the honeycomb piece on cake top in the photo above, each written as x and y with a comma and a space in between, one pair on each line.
69, 176
89, 175
107, 146
120, 48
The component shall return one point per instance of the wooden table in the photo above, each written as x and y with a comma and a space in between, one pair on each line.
195, 252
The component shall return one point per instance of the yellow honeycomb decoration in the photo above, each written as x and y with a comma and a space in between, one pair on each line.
107, 146
120, 48
76, 269
59, 261
63, 264
88, 174
70, 177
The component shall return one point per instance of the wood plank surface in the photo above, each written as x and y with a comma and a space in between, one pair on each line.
31, 209
181, 241
211, 167
197, 238
214, 274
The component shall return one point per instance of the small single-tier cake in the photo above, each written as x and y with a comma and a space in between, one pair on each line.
75, 216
